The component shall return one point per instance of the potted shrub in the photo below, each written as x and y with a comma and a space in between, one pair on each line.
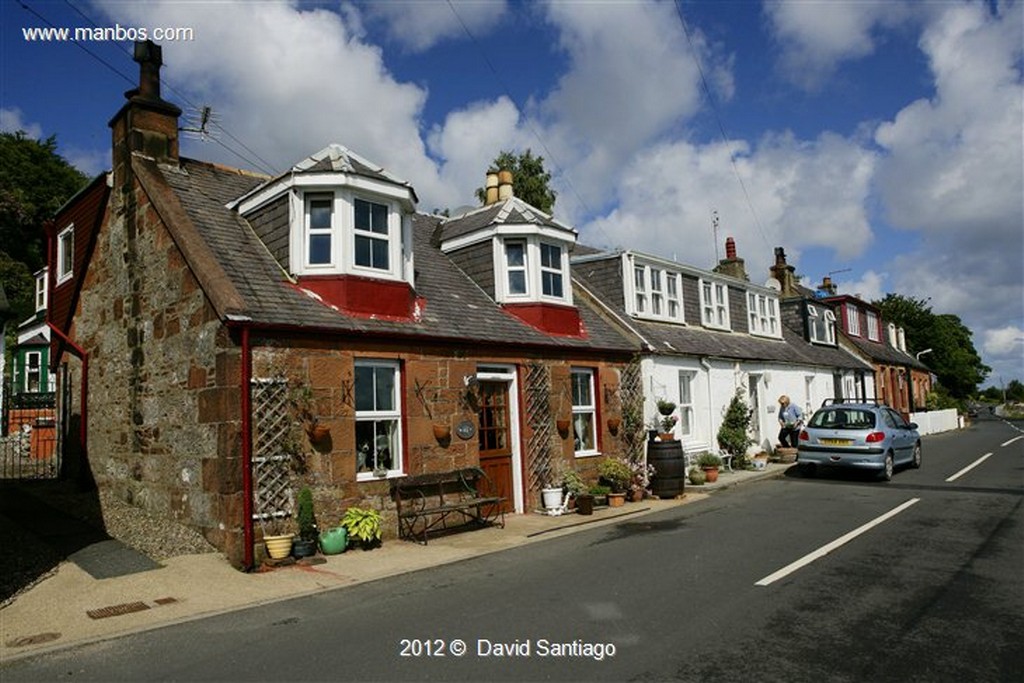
618, 474
709, 462
305, 545
363, 525
733, 435
696, 476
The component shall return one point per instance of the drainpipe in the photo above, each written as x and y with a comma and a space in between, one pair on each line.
84, 356
245, 404
711, 419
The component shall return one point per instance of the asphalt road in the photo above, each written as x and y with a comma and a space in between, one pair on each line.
933, 592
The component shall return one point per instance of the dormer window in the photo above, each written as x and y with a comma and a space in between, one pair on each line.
656, 293
41, 290
852, 320
874, 331
65, 254
714, 304
532, 270
764, 316
822, 325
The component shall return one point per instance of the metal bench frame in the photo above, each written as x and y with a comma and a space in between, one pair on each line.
427, 502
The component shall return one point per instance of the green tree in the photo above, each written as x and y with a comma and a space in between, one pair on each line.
953, 359
34, 182
1015, 391
530, 180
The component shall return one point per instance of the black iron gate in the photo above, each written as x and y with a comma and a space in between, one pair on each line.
35, 423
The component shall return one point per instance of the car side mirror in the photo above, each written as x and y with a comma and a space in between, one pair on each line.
911, 425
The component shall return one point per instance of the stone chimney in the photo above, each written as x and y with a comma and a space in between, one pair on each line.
505, 185
146, 124
784, 273
732, 264
827, 286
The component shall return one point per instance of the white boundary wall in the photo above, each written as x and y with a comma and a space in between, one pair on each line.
936, 421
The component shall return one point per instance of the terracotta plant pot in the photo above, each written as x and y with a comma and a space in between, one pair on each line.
710, 474
318, 432
563, 428
616, 500
667, 436
443, 433
613, 425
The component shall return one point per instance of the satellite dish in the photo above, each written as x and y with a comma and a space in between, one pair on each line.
772, 283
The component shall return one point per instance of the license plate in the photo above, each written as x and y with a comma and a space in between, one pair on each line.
836, 442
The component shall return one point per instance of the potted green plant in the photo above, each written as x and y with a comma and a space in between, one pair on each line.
733, 435
618, 474
600, 493
696, 476
363, 525
709, 462
305, 544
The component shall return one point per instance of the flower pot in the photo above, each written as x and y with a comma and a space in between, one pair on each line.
616, 500
613, 425
667, 436
563, 428
552, 498
585, 504
304, 547
443, 434
334, 541
279, 547
318, 432
710, 474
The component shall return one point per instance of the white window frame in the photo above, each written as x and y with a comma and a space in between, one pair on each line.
655, 293
763, 313
714, 304
534, 268
389, 236
584, 409
640, 289
65, 254
874, 328
34, 371
852, 320
308, 231
685, 405
41, 291
395, 414
555, 271
829, 325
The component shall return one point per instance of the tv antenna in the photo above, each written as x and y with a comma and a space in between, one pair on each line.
199, 123
714, 231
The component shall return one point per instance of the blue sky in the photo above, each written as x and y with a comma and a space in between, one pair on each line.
880, 142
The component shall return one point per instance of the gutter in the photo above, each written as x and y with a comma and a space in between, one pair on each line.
711, 420
84, 356
245, 405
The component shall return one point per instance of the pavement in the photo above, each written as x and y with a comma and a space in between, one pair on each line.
78, 603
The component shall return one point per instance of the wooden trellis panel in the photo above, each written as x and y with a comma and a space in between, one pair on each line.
538, 417
631, 391
271, 462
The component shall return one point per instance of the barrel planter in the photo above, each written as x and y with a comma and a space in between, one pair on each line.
669, 468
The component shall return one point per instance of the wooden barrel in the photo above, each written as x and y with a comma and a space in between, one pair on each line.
669, 468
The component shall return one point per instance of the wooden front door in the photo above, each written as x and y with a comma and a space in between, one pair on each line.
496, 439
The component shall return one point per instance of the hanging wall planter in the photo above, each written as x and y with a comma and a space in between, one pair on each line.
443, 434
563, 428
613, 425
318, 433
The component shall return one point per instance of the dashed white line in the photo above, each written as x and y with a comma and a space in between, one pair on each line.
826, 549
969, 467
1016, 438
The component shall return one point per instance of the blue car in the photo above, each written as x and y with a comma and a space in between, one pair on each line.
862, 435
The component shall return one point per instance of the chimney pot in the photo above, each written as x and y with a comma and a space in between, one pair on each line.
149, 55
730, 248
505, 185
491, 188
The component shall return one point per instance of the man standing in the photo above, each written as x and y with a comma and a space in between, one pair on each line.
790, 420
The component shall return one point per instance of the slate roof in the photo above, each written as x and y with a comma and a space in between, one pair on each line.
511, 211
883, 352
695, 340
452, 306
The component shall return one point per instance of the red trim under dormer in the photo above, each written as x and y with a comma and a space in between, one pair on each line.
561, 321
364, 297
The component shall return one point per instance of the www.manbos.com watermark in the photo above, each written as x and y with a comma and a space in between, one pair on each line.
100, 34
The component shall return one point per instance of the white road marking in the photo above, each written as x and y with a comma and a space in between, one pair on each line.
969, 467
1016, 438
826, 549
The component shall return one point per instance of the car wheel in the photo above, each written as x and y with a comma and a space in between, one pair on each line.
887, 470
915, 462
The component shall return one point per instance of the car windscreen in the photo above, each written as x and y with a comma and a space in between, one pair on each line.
843, 418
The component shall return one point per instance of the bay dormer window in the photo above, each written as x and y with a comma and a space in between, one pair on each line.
372, 235
714, 304
532, 269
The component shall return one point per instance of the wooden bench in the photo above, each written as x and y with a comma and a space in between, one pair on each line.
429, 501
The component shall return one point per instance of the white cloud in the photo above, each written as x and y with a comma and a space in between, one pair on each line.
11, 121
667, 195
815, 37
871, 286
1004, 341
418, 26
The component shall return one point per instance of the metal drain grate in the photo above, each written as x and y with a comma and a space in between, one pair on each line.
37, 639
117, 610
